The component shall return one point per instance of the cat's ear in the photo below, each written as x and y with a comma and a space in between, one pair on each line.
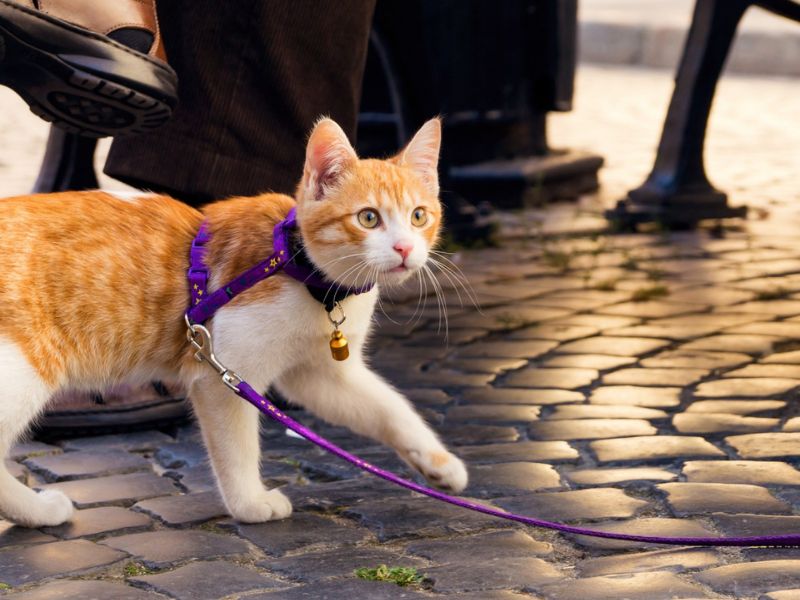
328, 156
421, 154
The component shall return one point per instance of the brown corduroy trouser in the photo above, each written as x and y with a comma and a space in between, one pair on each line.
254, 75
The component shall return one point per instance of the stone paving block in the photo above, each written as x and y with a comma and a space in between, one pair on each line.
316, 566
655, 377
517, 396
568, 379
79, 465
589, 429
741, 471
484, 546
652, 526
184, 510
576, 505
779, 308
634, 586
782, 329
507, 349
503, 413
520, 451
680, 359
767, 370
487, 595
13, 535
86, 590
783, 358
396, 518
719, 423
461, 435
746, 387
137, 441
652, 309
334, 495
116, 489
651, 448
511, 478
712, 295
603, 411
745, 579
517, 572
687, 327
656, 560
699, 498
735, 407
427, 396
302, 530
746, 344
207, 581
57, 559
601, 322
792, 425
195, 479
158, 549
439, 378
766, 445
749, 524
599, 362
97, 521
559, 333
493, 366
596, 477
181, 454
23, 450
348, 589
615, 346
636, 396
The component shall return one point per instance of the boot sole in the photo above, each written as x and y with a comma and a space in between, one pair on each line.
81, 81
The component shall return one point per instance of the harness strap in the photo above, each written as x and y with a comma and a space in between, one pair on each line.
204, 305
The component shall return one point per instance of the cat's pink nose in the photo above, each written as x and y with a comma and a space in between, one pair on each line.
404, 248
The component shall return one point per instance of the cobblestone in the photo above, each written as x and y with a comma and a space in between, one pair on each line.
656, 560
56, 559
766, 445
741, 471
712, 423
86, 590
79, 465
752, 578
157, 549
653, 448
634, 586
207, 581
700, 498
116, 489
101, 521
589, 429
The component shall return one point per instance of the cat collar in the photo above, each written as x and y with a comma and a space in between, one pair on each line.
287, 256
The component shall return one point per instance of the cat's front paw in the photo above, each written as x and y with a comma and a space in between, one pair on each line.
270, 505
441, 468
52, 507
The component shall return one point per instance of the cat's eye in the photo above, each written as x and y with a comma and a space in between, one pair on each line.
419, 217
369, 218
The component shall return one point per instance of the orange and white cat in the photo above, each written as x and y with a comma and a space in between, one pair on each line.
93, 291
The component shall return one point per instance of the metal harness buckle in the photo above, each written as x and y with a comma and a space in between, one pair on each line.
200, 339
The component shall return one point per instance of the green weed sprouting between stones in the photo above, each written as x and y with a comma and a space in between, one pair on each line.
402, 576
133, 569
4, 586
650, 293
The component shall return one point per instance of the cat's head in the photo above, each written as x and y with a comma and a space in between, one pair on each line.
369, 221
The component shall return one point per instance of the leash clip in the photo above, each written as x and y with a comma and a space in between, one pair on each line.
200, 339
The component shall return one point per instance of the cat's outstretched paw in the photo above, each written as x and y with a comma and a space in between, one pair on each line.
271, 505
441, 468
52, 508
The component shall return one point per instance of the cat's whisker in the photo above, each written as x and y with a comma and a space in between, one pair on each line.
439, 299
446, 264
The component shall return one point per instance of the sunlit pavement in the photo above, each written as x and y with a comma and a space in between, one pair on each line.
642, 383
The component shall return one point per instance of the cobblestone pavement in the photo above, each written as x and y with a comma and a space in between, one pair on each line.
641, 383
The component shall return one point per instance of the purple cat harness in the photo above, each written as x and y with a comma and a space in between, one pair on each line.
204, 305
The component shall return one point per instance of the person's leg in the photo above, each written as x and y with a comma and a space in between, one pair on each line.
254, 77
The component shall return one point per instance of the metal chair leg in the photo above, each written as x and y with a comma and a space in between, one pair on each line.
68, 163
677, 191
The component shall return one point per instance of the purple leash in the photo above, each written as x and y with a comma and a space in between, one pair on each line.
203, 307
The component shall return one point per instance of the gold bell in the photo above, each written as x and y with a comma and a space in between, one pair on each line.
339, 349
